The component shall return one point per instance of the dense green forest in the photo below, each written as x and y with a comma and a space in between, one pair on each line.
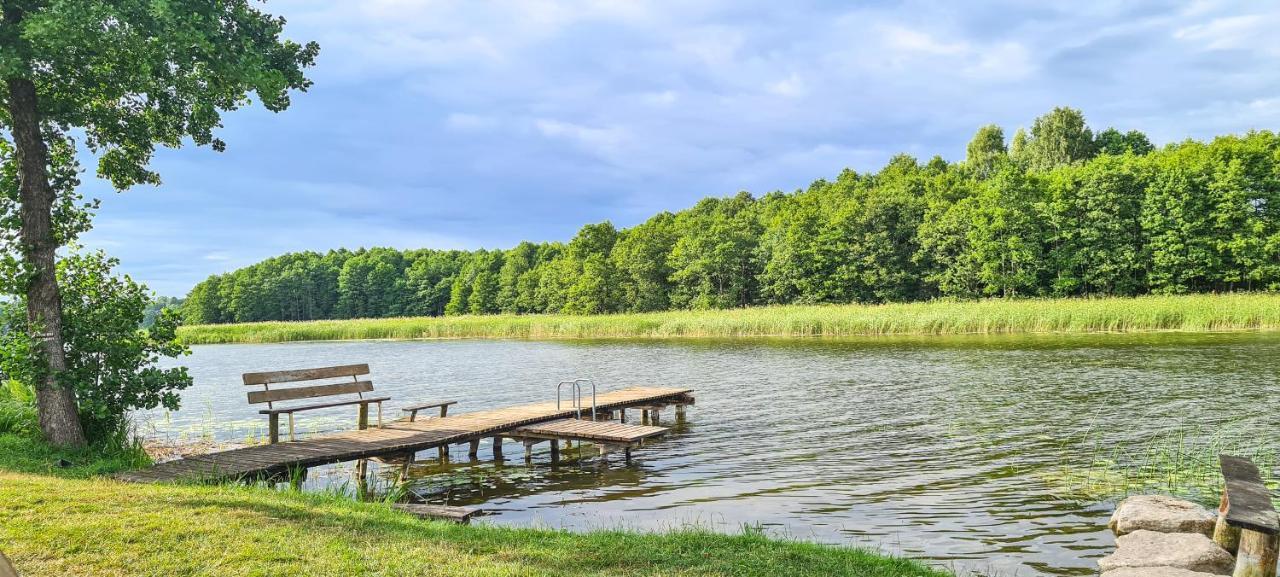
1057, 211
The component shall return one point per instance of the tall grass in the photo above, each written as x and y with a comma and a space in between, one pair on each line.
1235, 311
1182, 462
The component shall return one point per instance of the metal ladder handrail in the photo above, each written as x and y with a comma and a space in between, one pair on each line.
576, 395
593, 396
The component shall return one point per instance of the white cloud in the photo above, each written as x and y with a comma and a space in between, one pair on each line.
1232, 32
791, 87
905, 39
464, 122
602, 141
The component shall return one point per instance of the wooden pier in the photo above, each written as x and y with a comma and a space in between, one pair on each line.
405, 437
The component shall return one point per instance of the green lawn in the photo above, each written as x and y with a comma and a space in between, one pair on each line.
1234, 311
72, 522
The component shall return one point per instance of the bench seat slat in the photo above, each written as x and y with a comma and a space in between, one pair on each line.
309, 392
271, 377
324, 405
1248, 499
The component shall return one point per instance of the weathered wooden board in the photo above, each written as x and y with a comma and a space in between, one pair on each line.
447, 513
270, 377
1248, 499
309, 392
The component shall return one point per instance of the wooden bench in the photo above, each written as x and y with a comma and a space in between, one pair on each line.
1247, 522
343, 389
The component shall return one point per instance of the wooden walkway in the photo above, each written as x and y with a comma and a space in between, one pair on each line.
396, 437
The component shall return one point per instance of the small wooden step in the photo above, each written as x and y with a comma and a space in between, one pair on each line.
444, 512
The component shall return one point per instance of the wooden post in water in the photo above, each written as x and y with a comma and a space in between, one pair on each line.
362, 476
1225, 535
497, 448
1257, 554
1246, 507
474, 450
555, 451
528, 450
622, 415
362, 417
680, 413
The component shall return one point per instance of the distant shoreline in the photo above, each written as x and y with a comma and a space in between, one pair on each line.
1184, 313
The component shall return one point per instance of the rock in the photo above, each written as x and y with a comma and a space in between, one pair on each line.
1155, 572
1189, 551
1162, 514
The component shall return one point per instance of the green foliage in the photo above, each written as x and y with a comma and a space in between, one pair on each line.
187, 60
986, 149
111, 361
1061, 214
18, 409
1057, 138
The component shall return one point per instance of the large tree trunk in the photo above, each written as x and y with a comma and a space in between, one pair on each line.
55, 400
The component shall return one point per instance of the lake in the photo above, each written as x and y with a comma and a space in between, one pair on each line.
942, 448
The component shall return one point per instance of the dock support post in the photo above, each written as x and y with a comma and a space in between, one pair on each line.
474, 450
362, 417
555, 451
1257, 554
654, 420
622, 415
273, 427
404, 467
626, 452
1225, 535
497, 448
362, 475
528, 450
679, 413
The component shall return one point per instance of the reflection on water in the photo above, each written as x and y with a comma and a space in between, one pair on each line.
928, 447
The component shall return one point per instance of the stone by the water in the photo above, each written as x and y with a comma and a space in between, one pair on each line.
1189, 551
1162, 514
1155, 572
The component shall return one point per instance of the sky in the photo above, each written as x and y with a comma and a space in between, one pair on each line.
470, 124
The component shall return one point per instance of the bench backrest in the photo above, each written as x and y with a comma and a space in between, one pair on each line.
274, 389
1247, 499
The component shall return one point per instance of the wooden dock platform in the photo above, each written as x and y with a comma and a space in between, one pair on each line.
397, 437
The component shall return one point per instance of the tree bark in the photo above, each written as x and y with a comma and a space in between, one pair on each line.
55, 400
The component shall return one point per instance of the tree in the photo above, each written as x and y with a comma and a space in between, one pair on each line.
110, 360
986, 148
1057, 138
128, 75
1114, 142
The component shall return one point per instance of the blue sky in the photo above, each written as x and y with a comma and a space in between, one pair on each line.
467, 124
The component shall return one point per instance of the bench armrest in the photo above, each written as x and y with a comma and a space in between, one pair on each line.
413, 409
419, 407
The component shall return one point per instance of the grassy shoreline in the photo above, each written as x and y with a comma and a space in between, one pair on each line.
1220, 312
69, 521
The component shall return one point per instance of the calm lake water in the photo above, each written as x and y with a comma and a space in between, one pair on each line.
935, 447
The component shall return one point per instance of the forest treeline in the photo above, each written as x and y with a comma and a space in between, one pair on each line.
1056, 211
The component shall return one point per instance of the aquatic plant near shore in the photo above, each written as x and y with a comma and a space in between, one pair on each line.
1182, 463
1235, 311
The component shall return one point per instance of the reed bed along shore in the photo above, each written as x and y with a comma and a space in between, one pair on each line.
1214, 312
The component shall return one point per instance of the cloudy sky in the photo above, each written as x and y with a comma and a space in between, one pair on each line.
467, 124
